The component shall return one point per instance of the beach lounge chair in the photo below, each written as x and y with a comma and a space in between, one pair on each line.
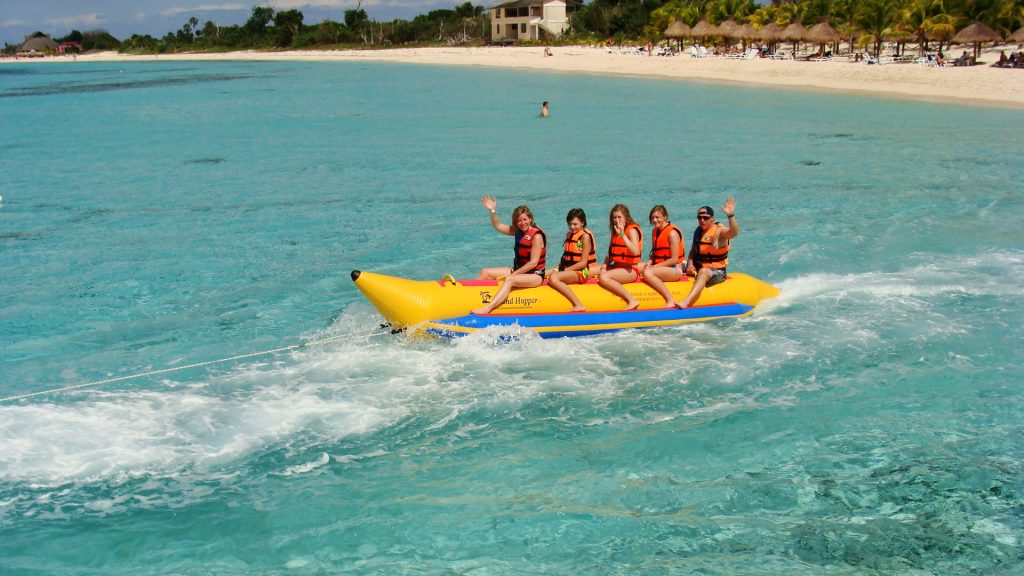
964, 60
752, 54
698, 51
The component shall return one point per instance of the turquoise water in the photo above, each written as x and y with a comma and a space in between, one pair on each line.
160, 215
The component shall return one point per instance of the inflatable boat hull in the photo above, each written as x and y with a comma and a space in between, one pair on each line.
442, 307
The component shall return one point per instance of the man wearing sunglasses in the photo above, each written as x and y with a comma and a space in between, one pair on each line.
709, 250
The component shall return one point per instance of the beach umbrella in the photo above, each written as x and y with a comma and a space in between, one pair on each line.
794, 33
703, 29
976, 34
823, 34
728, 28
1018, 36
769, 33
746, 32
678, 30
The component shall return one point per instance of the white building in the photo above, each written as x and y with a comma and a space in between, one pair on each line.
531, 19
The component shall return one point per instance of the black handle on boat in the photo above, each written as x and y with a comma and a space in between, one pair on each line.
355, 275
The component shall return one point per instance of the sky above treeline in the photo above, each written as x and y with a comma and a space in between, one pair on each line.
122, 18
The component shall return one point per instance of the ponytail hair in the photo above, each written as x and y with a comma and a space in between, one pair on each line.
577, 213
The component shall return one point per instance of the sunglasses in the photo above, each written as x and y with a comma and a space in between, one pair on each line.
703, 217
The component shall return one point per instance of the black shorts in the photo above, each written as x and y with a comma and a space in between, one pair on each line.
717, 276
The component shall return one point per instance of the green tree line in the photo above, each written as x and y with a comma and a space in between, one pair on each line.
267, 28
623, 21
862, 21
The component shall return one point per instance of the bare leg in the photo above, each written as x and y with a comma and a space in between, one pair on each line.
654, 275
559, 281
493, 273
513, 281
612, 281
698, 285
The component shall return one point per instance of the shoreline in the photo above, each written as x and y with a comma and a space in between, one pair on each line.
976, 85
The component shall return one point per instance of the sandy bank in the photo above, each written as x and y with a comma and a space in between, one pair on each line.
978, 85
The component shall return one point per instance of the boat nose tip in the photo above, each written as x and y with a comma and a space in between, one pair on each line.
355, 275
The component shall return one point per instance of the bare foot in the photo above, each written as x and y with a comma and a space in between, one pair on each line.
632, 306
670, 304
578, 309
481, 311
683, 305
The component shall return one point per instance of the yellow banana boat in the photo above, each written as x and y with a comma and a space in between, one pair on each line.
442, 307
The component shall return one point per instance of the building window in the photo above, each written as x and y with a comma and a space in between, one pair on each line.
497, 28
522, 28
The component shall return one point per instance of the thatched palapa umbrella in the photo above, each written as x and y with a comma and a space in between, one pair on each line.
794, 33
1018, 36
746, 32
769, 33
703, 29
976, 34
823, 34
678, 30
728, 28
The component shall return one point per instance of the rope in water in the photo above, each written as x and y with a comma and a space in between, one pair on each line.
168, 370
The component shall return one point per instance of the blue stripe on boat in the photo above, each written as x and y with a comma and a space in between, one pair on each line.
547, 325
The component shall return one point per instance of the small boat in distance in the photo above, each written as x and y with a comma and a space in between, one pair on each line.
443, 307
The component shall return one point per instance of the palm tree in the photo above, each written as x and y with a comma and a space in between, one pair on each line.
680, 10
941, 27
841, 16
876, 18
721, 10
912, 18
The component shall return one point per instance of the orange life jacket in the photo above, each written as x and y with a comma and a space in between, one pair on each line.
618, 255
707, 254
524, 245
662, 249
573, 251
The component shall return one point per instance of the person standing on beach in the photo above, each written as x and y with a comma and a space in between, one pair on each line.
577, 258
544, 110
621, 265
527, 269
709, 252
666, 260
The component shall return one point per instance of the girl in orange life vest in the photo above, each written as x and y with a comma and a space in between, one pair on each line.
620, 266
667, 254
527, 269
709, 252
578, 259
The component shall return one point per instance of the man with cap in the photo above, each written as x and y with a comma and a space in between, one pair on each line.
709, 250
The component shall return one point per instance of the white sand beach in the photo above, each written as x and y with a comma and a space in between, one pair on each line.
978, 85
